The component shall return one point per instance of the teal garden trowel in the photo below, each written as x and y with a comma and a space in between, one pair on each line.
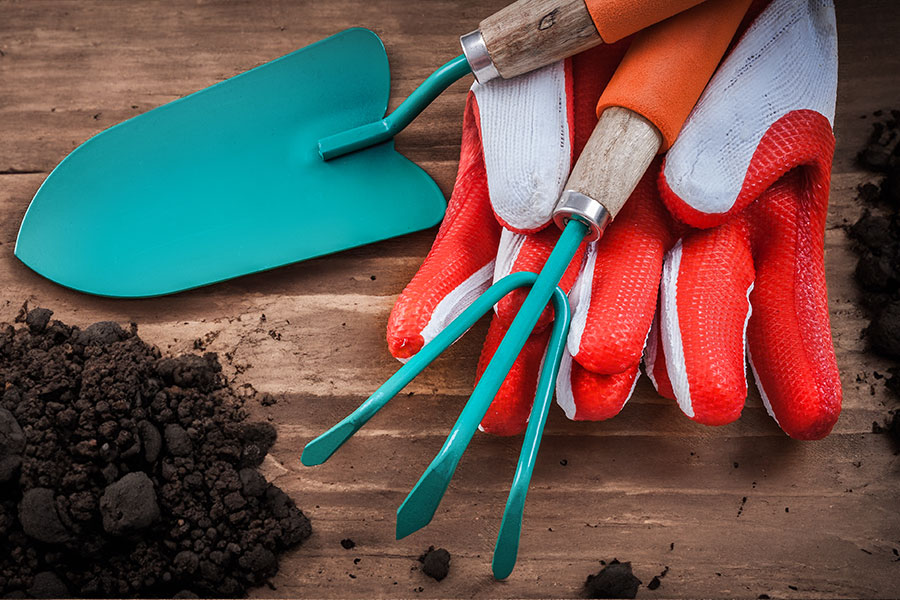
244, 176
228, 181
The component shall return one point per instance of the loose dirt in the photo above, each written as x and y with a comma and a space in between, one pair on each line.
125, 473
877, 236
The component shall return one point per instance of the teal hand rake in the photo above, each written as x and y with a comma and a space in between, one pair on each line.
582, 219
419, 507
681, 54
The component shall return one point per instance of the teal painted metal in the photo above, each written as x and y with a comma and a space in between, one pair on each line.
229, 181
420, 505
422, 502
506, 549
383, 130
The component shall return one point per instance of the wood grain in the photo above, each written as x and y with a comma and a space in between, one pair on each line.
631, 487
529, 34
616, 156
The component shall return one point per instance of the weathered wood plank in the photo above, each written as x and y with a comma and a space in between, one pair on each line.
631, 486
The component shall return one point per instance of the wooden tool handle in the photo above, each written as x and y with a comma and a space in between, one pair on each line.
644, 106
667, 65
615, 158
529, 34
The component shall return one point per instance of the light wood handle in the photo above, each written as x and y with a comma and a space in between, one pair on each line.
615, 158
529, 34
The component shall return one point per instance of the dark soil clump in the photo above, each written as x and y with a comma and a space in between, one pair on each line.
877, 234
890, 427
615, 580
126, 474
435, 563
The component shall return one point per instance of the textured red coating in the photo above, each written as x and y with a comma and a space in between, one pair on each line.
779, 219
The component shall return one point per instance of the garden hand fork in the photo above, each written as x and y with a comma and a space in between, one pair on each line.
641, 112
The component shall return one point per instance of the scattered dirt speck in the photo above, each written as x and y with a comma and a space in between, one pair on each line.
435, 563
615, 580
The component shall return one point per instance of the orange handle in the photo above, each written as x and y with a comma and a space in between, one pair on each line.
529, 34
667, 65
616, 19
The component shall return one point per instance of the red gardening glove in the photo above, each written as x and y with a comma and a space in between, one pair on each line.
759, 136
752, 166
747, 180
520, 138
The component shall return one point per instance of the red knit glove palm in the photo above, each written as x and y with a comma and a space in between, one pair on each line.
754, 278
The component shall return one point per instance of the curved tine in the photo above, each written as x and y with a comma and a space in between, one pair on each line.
320, 449
507, 548
420, 505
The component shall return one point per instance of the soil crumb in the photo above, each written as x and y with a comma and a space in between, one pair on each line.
348, 544
127, 474
615, 580
435, 563
890, 427
894, 428
655, 582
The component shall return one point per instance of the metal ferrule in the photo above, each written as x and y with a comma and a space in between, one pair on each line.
476, 52
575, 205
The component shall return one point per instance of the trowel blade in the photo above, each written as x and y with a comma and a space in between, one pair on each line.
228, 181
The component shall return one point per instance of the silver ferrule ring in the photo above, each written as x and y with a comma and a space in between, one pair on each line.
577, 206
476, 53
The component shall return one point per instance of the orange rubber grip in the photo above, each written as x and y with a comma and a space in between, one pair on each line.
616, 19
667, 65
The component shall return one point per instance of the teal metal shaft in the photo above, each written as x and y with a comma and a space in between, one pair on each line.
422, 502
506, 549
320, 449
383, 130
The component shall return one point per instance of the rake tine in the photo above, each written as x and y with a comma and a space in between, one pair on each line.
420, 505
320, 449
507, 547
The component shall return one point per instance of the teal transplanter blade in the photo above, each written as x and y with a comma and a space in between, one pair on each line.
228, 181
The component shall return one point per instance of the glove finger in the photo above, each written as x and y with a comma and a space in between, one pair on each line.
508, 413
789, 335
744, 132
586, 75
518, 252
530, 126
460, 264
655, 361
527, 144
615, 297
706, 281
587, 396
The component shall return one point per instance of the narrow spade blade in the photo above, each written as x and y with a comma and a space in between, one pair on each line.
228, 181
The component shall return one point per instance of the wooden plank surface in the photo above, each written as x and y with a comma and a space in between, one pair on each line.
736, 511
